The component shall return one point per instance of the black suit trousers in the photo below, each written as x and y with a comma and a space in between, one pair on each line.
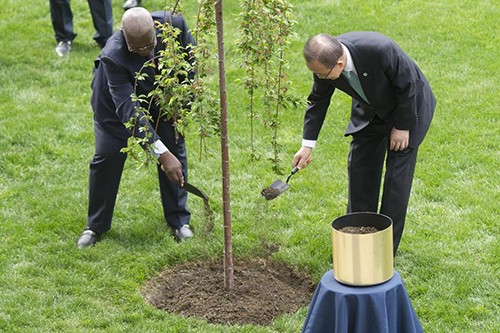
105, 174
62, 19
369, 149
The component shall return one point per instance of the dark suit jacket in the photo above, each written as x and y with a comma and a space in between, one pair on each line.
397, 91
114, 79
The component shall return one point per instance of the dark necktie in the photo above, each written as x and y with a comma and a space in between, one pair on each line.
354, 82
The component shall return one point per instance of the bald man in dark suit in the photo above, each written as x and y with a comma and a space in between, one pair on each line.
392, 108
113, 83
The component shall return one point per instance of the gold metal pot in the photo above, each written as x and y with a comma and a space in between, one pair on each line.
362, 259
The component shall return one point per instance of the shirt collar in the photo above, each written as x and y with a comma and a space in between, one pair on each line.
349, 66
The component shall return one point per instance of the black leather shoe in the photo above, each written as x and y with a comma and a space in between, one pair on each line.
88, 238
131, 4
63, 48
183, 233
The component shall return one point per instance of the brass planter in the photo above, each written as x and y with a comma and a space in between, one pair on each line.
362, 259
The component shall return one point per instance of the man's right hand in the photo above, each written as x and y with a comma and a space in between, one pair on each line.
172, 167
302, 158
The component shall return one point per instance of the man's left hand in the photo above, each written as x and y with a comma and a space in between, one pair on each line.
399, 139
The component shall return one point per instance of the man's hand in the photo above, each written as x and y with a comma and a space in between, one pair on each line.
172, 167
399, 139
302, 158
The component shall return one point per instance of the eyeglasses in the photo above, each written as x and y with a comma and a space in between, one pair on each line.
141, 49
323, 77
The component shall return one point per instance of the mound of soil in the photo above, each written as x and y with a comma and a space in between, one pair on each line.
263, 290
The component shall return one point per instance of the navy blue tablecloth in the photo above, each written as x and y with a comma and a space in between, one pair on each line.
339, 308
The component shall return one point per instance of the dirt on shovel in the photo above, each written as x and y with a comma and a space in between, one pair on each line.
270, 193
277, 187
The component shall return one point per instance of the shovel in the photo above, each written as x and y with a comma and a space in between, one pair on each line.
192, 189
196, 191
278, 186
209, 214
208, 211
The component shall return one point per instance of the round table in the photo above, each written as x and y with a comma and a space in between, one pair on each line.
382, 308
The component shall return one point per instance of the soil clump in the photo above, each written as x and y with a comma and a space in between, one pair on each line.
270, 193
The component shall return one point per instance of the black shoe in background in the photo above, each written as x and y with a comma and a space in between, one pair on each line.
131, 4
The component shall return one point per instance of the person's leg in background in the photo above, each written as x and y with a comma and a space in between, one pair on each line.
102, 18
62, 22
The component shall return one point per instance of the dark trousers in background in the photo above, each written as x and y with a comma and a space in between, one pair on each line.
368, 151
106, 170
62, 20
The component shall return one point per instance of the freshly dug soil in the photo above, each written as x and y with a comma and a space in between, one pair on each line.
263, 290
270, 193
359, 230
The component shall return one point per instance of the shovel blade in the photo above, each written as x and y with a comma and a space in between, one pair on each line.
280, 186
196, 191
275, 189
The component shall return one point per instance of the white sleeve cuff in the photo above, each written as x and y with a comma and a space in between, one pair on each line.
159, 148
308, 143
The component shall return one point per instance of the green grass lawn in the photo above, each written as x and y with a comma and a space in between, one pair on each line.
449, 255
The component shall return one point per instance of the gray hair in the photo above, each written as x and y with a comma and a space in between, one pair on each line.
323, 48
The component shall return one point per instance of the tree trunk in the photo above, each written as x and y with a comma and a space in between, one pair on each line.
228, 246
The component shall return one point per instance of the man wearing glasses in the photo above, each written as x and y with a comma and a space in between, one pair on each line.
113, 83
392, 108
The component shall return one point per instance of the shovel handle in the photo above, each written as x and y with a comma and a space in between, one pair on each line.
293, 172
